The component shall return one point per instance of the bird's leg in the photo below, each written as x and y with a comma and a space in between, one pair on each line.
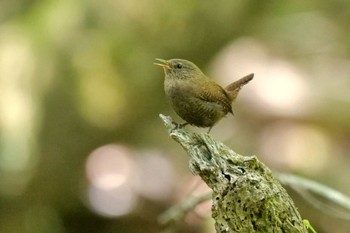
209, 129
182, 125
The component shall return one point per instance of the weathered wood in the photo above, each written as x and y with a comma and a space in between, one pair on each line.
246, 197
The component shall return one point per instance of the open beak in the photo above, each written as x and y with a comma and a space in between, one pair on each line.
163, 63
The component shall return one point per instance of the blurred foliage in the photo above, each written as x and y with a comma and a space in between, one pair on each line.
77, 75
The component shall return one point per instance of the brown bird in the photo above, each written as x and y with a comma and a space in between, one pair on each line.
195, 98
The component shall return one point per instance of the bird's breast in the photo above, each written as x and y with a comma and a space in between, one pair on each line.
177, 88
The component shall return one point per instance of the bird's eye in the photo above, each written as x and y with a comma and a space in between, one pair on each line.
178, 66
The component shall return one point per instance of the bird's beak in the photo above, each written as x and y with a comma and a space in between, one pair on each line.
163, 63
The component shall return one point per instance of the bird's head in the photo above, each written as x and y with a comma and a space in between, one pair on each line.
179, 68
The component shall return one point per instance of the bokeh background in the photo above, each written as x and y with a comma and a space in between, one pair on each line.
82, 148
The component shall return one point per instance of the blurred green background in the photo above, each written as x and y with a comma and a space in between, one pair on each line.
82, 148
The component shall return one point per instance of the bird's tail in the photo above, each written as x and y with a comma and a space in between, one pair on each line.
233, 88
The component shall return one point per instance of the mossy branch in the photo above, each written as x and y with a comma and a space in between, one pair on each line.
246, 197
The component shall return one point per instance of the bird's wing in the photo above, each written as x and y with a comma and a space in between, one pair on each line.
216, 94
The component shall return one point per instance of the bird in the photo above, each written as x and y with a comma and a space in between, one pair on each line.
196, 98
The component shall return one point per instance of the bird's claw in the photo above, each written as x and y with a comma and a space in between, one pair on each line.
180, 126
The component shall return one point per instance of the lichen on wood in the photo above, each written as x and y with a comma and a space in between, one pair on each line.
246, 197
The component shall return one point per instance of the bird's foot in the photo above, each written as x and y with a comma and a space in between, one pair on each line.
170, 124
180, 126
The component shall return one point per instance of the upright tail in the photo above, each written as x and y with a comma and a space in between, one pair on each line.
233, 89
